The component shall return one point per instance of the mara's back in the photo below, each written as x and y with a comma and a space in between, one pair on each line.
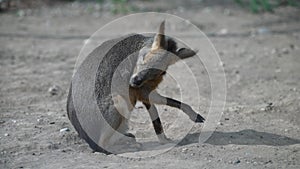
90, 105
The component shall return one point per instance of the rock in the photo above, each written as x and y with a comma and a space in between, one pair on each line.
285, 50
270, 161
64, 130
263, 30
221, 63
237, 162
223, 31
6, 134
184, 150
54, 90
21, 13
53, 122
274, 51
278, 70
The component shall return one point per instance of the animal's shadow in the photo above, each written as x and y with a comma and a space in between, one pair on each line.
243, 137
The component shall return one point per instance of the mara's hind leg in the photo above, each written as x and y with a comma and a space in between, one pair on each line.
158, 128
124, 108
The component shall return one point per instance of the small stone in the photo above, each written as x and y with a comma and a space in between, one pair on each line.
184, 150
52, 122
223, 31
54, 90
274, 51
285, 50
6, 134
263, 30
21, 13
64, 130
2, 121
86, 41
226, 118
278, 70
237, 162
221, 63
270, 161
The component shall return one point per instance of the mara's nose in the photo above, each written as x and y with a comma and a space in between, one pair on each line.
135, 81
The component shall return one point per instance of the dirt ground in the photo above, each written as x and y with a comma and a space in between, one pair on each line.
259, 128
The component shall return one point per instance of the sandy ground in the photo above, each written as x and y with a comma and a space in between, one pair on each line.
258, 129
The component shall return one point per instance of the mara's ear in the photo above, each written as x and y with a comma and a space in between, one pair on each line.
184, 53
159, 39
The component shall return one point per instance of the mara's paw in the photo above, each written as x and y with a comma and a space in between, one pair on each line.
199, 119
163, 139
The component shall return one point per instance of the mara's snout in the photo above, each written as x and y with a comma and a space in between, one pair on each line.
144, 76
135, 81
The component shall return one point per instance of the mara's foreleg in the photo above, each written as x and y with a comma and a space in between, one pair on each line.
156, 98
156, 123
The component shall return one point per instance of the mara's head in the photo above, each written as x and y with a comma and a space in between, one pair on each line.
155, 57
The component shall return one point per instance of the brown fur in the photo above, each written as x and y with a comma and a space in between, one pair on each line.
142, 94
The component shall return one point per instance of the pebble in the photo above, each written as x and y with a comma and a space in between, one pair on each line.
223, 31
53, 90
237, 162
263, 30
278, 70
285, 50
274, 51
64, 129
21, 13
6, 134
86, 41
184, 150
270, 161
221, 63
